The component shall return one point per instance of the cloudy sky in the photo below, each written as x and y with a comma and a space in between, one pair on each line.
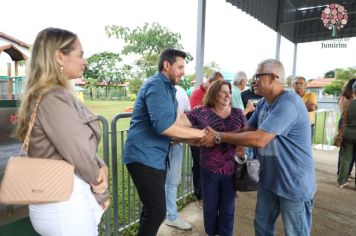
235, 40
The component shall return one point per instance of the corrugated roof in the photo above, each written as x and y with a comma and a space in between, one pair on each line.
298, 20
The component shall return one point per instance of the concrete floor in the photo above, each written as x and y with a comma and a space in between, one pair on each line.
334, 212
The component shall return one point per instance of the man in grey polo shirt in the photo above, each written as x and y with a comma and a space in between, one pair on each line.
151, 131
279, 130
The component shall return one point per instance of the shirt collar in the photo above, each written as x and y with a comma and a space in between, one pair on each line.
165, 79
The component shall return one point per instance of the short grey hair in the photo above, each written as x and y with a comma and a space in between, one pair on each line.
239, 76
354, 87
277, 66
299, 77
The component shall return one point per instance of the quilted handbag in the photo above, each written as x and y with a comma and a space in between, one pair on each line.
30, 180
247, 175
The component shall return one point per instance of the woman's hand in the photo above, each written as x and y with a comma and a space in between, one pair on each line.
240, 156
101, 183
249, 108
106, 204
240, 151
209, 139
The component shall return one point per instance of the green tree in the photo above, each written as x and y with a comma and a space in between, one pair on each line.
135, 85
185, 82
330, 74
342, 76
207, 70
146, 43
210, 67
106, 67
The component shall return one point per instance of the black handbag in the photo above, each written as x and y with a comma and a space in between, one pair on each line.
247, 175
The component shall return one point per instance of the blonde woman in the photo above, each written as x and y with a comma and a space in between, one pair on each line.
64, 129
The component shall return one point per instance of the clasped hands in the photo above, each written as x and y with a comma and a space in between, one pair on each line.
208, 139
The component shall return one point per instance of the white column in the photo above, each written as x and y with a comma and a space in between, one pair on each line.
295, 59
278, 45
200, 43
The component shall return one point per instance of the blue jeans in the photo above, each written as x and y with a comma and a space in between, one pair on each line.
219, 203
296, 216
172, 180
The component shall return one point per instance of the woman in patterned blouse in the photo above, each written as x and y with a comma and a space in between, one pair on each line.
217, 162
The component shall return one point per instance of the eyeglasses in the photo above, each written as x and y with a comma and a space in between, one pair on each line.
257, 76
225, 92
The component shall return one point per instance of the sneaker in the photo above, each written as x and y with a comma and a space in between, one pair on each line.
351, 178
341, 185
178, 223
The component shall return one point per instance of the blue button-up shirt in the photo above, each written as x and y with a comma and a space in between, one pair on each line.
154, 111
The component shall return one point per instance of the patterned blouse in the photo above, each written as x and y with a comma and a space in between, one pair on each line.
218, 158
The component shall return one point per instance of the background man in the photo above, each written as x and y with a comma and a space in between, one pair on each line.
287, 177
309, 99
238, 85
175, 169
148, 141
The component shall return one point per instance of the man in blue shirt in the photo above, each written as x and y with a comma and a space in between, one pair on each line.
151, 129
279, 130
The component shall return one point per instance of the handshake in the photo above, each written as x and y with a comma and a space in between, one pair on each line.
208, 137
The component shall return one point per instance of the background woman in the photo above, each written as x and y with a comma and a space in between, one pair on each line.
217, 162
345, 97
64, 129
348, 145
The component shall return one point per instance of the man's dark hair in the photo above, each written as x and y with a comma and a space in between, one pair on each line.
170, 55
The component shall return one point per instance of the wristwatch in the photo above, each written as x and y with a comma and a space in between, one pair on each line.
217, 138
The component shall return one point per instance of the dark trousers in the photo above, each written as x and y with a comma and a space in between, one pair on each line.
196, 172
353, 160
219, 203
149, 183
347, 155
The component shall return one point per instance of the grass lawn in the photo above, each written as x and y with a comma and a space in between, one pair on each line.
108, 108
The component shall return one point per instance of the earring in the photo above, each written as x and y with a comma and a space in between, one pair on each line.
61, 69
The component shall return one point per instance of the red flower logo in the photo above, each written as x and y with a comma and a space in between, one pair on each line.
334, 14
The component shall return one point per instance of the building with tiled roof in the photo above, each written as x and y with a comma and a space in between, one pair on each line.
317, 85
13, 53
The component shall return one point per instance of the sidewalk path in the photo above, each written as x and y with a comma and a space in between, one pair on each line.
334, 212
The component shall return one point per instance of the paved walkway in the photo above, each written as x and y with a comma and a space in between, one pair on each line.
334, 213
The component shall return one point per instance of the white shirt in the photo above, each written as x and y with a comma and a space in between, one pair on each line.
183, 101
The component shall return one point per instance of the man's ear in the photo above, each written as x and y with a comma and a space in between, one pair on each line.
58, 56
165, 65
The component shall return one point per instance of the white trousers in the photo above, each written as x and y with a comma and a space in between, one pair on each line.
78, 216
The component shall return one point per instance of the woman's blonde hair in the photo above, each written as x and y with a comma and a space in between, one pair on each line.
210, 98
44, 73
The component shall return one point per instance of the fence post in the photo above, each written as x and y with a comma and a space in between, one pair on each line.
114, 167
105, 135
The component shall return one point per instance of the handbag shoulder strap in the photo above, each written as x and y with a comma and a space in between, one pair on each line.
26, 141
